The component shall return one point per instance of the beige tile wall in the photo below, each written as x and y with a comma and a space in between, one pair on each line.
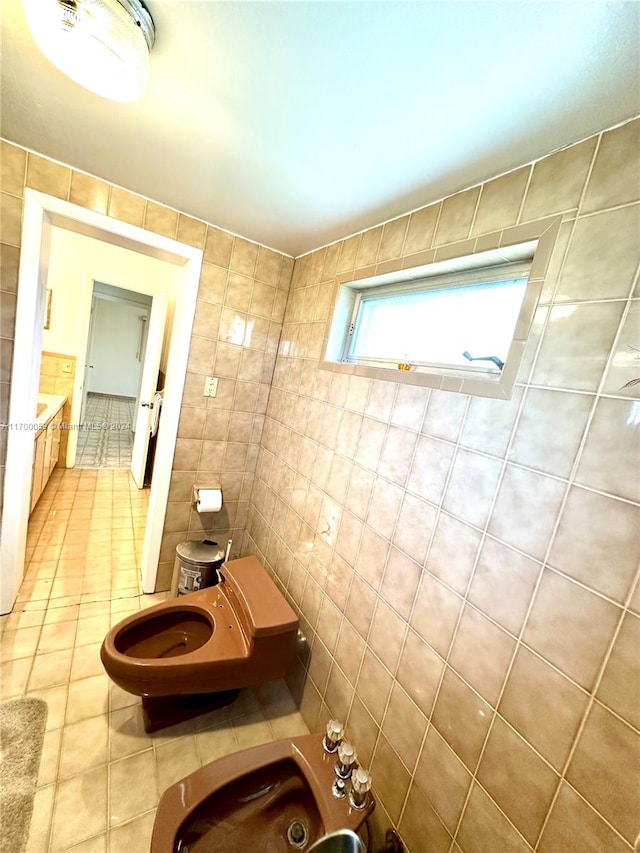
465, 569
54, 380
241, 302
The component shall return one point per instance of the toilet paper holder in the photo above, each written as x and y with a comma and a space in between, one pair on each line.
200, 487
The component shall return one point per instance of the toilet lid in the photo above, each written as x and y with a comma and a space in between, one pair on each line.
267, 610
200, 553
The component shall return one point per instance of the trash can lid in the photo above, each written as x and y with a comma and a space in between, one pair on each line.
202, 553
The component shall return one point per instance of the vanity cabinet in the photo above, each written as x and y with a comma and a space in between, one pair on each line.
46, 452
38, 467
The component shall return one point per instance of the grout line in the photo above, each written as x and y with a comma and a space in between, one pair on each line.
523, 200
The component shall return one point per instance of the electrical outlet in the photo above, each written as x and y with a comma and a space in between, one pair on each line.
67, 367
210, 386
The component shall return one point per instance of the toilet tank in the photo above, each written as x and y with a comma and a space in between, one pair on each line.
260, 604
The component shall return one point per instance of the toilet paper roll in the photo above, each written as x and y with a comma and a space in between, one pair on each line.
209, 500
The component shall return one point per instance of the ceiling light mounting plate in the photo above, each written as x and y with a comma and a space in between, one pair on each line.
142, 17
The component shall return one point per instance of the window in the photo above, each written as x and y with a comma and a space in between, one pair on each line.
459, 324
431, 323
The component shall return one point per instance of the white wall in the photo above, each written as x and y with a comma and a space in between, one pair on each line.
75, 262
117, 340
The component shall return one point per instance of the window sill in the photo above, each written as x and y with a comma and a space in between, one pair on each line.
481, 383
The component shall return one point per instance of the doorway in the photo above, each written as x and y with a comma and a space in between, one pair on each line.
41, 214
115, 355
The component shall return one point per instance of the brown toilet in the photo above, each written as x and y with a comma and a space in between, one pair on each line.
192, 654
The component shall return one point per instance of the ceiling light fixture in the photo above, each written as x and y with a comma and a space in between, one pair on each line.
101, 44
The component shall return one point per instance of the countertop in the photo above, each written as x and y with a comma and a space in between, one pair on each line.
52, 404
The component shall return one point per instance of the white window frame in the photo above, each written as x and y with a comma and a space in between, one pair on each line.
530, 247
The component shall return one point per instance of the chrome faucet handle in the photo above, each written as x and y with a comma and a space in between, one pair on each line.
334, 736
338, 789
360, 787
347, 758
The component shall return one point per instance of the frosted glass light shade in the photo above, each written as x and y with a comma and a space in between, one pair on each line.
97, 43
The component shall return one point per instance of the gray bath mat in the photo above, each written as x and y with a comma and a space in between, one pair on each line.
22, 723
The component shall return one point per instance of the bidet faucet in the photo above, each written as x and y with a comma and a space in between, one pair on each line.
360, 787
347, 758
334, 735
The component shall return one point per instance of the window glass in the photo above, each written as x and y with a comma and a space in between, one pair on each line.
429, 325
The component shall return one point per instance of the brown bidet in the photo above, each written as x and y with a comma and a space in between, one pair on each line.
272, 797
191, 654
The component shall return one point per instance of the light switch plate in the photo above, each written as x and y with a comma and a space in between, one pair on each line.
210, 386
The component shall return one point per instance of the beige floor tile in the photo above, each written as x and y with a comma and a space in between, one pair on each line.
21, 643
97, 844
73, 549
30, 605
132, 836
40, 827
86, 662
123, 578
93, 597
119, 698
78, 538
23, 619
133, 787
55, 615
215, 743
100, 541
50, 552
72, 568
50, 669
214, 719
84, 745
126, 592
175, 760
65, 586
80, 808
289, 725
90, 609
78, 521
41, 570
57, 637
246, 703
41, 589
50, 758
65, 601
275, 695
172, 732
56, 699
127, 732
121, 607
88, 697
252, 730
92, 630
96, 588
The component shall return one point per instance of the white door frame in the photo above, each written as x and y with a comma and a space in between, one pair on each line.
40, 212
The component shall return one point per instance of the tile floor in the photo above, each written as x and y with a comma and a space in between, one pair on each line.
106, 440
101, 776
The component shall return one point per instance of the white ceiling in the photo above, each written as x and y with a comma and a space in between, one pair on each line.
296, 123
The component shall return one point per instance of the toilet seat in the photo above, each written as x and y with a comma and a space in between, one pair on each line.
156, 676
